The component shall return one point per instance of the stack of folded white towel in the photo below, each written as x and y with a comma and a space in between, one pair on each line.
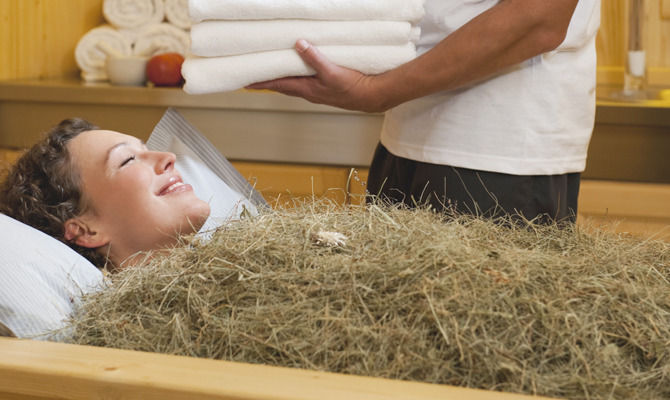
238, 42
134, 27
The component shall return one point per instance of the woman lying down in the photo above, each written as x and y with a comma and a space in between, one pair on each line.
103, 193
375, 290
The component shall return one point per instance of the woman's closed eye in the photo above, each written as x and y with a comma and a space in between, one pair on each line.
127, 160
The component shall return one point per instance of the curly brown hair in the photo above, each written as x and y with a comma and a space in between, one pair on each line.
43, 188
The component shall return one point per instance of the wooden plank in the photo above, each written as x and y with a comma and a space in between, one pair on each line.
641, 209
66, 21
290, 181
10, 155
656, 34
611, 36
44, 369
644, 228
7, 158
37, 38
625, 199
7, 40
665, 9
14, 396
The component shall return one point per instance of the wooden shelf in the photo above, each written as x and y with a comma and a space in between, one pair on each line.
243, 125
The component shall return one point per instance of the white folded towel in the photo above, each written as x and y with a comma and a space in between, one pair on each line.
222, 74
91, 58
394, 10
226, 38
176, 12
161, 38
133, 13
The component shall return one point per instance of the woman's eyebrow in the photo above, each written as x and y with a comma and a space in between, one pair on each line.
120, 144
111, 150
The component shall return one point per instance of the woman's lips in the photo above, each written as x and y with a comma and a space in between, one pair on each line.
175, 187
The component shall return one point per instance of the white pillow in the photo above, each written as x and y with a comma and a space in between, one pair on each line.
41, 279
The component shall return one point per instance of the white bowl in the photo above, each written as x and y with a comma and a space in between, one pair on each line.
127, 70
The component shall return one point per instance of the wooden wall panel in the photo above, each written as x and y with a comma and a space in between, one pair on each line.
657, 39
7, 158
612, 37
38, 37
610, 40
280, 184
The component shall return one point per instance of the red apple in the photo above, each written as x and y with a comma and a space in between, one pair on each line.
165, 69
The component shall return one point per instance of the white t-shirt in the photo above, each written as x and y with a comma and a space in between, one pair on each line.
535, 118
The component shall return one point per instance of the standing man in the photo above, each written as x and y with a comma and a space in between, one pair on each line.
494, 115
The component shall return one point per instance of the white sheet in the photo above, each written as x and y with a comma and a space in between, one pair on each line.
225, 38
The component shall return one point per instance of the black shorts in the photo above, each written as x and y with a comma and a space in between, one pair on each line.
544, 198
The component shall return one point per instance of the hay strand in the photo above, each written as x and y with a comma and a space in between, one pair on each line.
406, 294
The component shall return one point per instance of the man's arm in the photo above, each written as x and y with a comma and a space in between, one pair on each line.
509, 33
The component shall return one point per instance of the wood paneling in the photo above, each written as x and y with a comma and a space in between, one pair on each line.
611, 37
614, 27
9, 155
657, 36
641, 209
38, 37
7, 158
281, 183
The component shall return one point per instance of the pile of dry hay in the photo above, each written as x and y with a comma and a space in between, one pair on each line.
407, 295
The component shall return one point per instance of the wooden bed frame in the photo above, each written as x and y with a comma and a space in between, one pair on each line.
32, 370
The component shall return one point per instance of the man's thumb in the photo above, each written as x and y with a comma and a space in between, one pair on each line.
312, 56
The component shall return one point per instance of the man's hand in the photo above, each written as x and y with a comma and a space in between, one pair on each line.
333, 85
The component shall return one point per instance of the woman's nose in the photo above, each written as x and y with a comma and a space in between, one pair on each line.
164, 161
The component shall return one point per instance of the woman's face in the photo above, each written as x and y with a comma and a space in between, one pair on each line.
135, 200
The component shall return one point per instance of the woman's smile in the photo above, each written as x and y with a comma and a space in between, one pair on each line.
175, 185
136, 198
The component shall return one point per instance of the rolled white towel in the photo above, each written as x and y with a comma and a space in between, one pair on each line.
130, 14
226, 38
161, 38
91, 57
176, 12
130, 34
395, 10
222, 74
